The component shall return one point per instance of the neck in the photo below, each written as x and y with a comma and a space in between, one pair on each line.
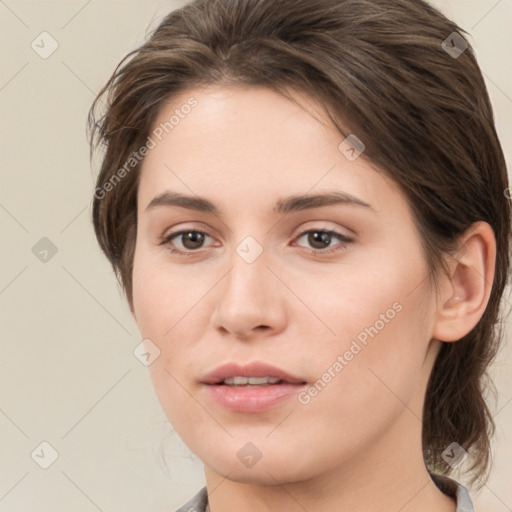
389, 476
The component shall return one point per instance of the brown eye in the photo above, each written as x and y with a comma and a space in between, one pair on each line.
192, 239
189, 240
320, 240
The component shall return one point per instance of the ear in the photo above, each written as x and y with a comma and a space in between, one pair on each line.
465, 292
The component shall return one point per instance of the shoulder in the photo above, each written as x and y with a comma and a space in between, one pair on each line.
197, 503
455, 490
450, 487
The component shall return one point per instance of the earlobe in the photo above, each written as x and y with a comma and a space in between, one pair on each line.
467, 289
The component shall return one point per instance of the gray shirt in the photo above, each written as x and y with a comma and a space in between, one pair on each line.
447, 485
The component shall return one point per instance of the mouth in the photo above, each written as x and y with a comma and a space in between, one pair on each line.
249, 382
255, 387
252, 374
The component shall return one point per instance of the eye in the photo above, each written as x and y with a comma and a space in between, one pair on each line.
320, 240
191, 240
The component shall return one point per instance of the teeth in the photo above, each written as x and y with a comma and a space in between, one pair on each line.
254, 381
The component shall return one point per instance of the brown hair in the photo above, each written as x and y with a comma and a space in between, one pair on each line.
381, 67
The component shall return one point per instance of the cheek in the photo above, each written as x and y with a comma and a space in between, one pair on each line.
381, 316
164, 297
360, 388
378, 365
169, 306
364, 302
163, 305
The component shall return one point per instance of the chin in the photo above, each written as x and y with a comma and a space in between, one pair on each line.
268, 470
256, 475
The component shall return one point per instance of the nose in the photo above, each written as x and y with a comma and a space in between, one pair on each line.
251, 300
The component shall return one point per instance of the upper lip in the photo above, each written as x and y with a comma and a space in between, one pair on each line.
254, 369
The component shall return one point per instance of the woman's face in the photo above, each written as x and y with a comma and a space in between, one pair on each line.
332, 291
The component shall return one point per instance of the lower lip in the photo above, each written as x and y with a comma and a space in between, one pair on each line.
257, 399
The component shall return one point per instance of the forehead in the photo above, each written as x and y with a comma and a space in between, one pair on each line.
251, 142
243, 120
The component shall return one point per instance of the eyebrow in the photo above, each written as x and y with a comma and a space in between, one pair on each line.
282, 206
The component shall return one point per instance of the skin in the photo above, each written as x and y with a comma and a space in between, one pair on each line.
357, 444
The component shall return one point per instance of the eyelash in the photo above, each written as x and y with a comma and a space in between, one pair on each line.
345, 241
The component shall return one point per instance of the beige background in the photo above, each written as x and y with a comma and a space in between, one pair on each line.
68, 375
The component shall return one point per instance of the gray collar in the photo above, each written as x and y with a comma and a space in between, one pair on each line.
447, 485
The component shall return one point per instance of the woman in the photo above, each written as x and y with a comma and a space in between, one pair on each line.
306, 205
